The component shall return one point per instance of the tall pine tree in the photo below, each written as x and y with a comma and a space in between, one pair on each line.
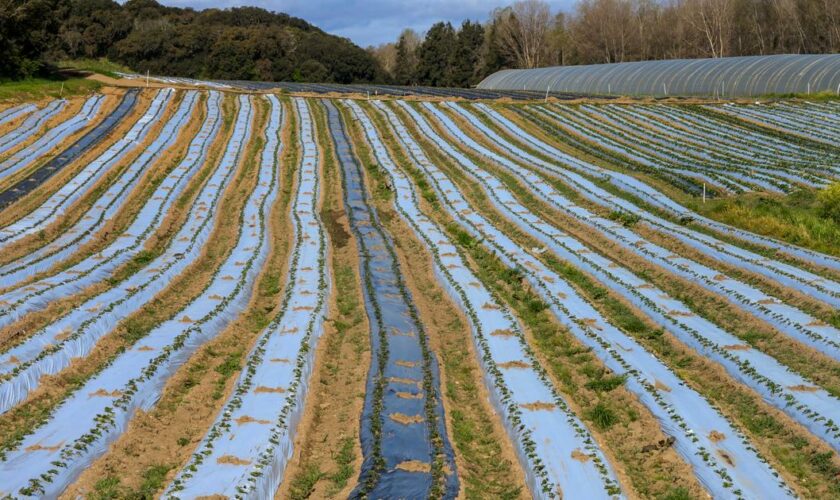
466, 60
435, 56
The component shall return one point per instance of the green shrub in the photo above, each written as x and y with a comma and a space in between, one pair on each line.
829, 199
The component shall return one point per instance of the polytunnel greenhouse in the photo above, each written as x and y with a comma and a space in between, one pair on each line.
727, 77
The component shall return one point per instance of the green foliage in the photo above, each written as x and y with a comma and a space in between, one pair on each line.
829, 200
242, 43
601, 416
467, 58
304, 483
38, 88
102, 66
626, 219
800, 218
28, 29
435, 56
110, 487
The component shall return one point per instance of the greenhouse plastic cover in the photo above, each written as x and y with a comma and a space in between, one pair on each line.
728, 76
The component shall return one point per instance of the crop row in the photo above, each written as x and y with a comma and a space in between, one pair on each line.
657, 387
546, 434
54, 454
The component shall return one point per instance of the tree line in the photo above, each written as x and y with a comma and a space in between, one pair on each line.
244, 43
249, 43
527, 34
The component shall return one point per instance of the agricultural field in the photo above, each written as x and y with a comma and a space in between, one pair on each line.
230, 292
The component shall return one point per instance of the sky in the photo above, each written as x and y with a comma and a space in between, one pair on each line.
371, 22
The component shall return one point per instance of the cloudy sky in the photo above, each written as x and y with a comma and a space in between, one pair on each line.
371, 22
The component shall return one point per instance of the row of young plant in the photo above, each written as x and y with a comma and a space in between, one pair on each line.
715, 157
13, 113
694, 422
46, 143
804, 281
403, 380
640, 152
545, 433
673, 150
30, 126
74, 335
807, 117
705, 130
810, 405
52, 208
35, 295
639, 189
813, 112
245, 452
815, 285
656, 155
787, 319
45, 462
103, 208
780, 119
759, 149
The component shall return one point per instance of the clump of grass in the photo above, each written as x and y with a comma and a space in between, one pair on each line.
304, 483
805, 217
102, 66
38, 88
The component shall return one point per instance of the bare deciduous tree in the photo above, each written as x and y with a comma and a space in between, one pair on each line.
523, 30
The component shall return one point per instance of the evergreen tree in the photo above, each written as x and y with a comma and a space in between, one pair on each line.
466, 60
406, 58
435, 56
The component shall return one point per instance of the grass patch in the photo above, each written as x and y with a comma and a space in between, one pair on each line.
110, 487
797, 218
102, 66
39, 88
304, 483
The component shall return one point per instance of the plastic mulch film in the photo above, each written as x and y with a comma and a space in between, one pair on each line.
44, 144
785, 318
648, 194
54, 454
804, 281
823, 128
74, 334
245, 452
70, 153
16, 112
777, 384
402, 424
724, 461
99, 266
30, 125
557, 452
51, 209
